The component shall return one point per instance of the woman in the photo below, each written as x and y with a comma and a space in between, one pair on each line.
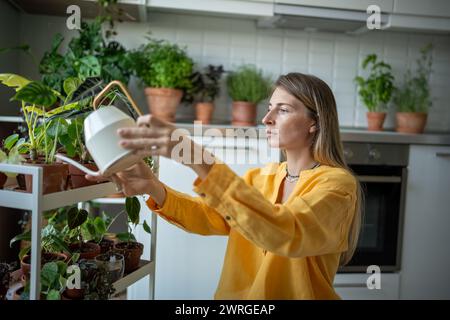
290, 225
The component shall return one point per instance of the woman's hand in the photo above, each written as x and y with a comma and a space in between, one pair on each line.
136, 180
155, 137
152, 137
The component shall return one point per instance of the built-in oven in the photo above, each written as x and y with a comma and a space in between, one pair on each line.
382, 171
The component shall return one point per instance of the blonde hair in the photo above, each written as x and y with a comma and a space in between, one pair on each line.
326, 146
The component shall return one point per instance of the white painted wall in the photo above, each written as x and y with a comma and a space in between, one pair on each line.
333, 57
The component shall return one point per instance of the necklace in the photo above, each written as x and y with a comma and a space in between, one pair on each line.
292, 178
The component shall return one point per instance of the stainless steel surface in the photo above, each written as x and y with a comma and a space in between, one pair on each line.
376, 153
347, 134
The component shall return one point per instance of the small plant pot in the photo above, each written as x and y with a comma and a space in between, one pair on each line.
25, 263
375, 120
113, 263
243, 113
411, 122
132, 251
106, 245
55, 177
88, 250
3, 179
77, 177
163, 102
204, 111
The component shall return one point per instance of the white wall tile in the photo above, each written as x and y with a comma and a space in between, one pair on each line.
336, 58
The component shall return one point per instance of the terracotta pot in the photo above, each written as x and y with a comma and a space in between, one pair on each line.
411, 122
375, 120
25, 263
88, 250
77, 177
3, 179
163, 102
132, 251
243, 113
55, 177
204, 111
72, 294
106, 245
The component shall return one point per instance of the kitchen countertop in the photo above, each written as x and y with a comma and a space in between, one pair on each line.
347, 134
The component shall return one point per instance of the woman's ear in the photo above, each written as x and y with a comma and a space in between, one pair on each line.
313, 128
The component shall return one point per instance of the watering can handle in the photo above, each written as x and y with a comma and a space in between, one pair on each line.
124, 90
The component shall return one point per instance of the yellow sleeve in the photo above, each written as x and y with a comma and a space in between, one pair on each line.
190, 213
312, 224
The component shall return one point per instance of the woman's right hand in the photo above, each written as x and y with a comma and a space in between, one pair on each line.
136, 180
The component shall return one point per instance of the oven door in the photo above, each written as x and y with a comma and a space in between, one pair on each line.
379, 240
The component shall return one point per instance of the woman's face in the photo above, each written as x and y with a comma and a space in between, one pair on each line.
288, 125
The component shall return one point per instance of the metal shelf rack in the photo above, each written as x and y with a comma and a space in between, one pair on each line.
37, 203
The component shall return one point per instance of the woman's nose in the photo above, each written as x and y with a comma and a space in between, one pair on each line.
267, 120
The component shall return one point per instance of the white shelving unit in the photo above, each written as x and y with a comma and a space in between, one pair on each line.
37, 203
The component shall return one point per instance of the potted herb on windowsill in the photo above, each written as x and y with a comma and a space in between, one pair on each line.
247, 86
205, 88
165, 69
376, 91
413, 98
128, 247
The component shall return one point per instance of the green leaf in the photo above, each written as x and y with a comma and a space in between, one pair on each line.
146, 227
88, 66
23, 252
133, 207
36, 93
10, 141
71, 84
49, 274
100, 226
53, 295
26, 236
13, 80
76, 217
123, 236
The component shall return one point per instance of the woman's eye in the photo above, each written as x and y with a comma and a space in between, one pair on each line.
283, 110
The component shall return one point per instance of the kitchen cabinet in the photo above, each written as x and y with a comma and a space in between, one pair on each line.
432, 8
354, 286
425, 271
250, 8
385, 5
189, 265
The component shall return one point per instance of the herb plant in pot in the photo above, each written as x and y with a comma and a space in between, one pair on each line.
166, 70
247, 86
128, 247
413, 98
205, 89
376, 91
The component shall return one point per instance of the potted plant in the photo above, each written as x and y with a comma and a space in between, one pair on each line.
128, 247
413, 98
35, 99
205, 88
376, 91
10, 155
165, 69
75, 219
95, 230
247, 86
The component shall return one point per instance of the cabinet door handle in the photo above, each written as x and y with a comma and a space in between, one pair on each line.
443, 154
380, 179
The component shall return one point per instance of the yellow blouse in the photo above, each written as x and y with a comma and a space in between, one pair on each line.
274, 251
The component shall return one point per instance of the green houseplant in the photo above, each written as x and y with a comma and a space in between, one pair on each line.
376, 90
413, 98
247, 87
165, 69
36, 101
205, 88
128, 246
10, 154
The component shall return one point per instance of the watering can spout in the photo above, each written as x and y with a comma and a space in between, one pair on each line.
78, 165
